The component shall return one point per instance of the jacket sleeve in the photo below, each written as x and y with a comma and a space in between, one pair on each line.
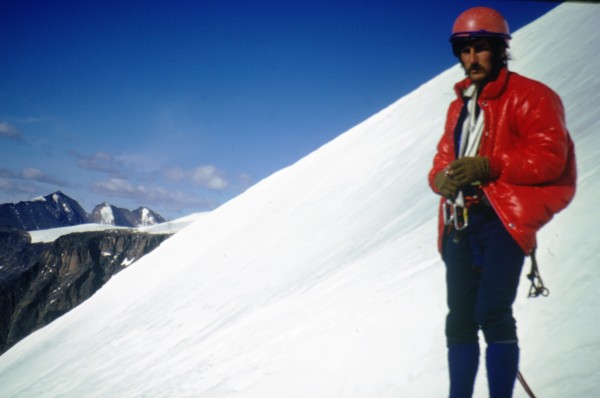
539, 149
445, 147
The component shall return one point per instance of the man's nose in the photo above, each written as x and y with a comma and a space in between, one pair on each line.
471, 56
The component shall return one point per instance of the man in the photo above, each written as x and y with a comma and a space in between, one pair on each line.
504, 166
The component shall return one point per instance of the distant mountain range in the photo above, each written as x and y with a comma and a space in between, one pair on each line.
108, 214
59, 210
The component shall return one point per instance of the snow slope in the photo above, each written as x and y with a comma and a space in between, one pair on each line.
323, 280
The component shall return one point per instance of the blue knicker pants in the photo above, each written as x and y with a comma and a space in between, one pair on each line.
483, 266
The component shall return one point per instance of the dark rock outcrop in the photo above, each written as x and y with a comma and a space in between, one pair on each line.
42, 281
52, 211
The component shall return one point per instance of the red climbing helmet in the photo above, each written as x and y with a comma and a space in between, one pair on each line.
480, 22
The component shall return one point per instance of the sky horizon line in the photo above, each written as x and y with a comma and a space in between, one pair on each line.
181, 107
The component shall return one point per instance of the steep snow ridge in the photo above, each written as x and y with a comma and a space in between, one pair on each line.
323, 280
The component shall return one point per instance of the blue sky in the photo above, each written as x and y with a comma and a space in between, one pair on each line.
182, 105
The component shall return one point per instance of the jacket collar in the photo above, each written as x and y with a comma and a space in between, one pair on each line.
490, 91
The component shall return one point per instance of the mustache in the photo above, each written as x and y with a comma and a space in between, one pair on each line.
474, 67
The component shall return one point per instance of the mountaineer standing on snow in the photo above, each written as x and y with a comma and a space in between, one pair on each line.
504, 166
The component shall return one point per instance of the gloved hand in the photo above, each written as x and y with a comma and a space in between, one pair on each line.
470, 169
445, 184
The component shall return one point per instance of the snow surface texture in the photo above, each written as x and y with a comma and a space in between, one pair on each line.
324, 281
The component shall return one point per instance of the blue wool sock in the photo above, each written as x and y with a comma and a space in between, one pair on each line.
463, 361
502, 360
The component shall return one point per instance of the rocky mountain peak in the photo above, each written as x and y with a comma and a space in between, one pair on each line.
111, 215
59, 210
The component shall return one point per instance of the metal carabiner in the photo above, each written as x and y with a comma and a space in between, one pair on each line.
461, 217
456, 211
448, 212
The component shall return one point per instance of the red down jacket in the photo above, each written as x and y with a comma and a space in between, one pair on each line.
532, 156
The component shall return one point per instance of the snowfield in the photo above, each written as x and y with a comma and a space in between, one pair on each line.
169, 227
323, 280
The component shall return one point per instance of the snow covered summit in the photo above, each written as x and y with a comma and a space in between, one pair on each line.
108, 214
57, 210
324, 281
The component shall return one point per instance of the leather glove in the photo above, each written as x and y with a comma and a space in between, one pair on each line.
470, 169
445, 184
